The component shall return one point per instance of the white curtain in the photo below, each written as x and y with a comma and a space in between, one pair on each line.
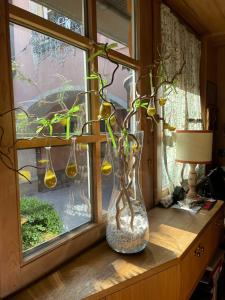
183, 108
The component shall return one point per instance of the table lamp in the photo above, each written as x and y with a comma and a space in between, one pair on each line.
193, 147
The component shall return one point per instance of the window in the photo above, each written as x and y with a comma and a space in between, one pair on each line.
42, 91
70, 15
43, 71
115, 24
184, 107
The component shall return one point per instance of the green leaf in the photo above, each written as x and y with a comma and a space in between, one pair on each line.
110, 46
57, 118
92, 76
144, 105
74, 109
99, 52
43, 121
141, 103
21, 116
39, 129
137, 103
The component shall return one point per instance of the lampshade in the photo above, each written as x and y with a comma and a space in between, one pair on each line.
194, 146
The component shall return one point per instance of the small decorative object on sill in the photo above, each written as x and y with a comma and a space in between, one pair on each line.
208, 204
166, 201
178, 194
185, 206
127, 228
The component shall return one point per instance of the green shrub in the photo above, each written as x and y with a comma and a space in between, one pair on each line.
42, 221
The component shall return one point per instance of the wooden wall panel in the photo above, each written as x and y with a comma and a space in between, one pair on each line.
212, 63
220, 133
205, 16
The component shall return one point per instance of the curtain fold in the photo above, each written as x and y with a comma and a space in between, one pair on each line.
183, 108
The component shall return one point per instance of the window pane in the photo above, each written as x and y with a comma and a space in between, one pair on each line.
115, 24
47, 76
47, 213
68, 14
121, 92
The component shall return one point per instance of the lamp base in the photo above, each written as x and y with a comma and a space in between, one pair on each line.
192, 181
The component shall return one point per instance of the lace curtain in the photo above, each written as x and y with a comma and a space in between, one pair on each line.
183, 108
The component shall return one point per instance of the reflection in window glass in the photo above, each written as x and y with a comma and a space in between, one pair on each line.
107, 177
47, 213
68, 14
121, 92
114, 24
47, 76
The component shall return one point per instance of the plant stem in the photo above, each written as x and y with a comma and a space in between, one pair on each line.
50, 130
68, 128
110, 133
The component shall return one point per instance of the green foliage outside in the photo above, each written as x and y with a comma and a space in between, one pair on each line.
41, 222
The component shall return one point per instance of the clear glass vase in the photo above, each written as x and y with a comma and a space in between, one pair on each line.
127, 228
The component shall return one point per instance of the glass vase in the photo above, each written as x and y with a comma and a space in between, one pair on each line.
50, 179
127, 228
71, 167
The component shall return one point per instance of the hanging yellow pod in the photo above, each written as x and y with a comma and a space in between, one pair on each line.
151, 111
25, 173
106, 168
113, 120
135, 148
71, 167
162, 101
166, 125
105, 110
71, 170
50, 179
63, 122
43, 161
172, 128
83, 146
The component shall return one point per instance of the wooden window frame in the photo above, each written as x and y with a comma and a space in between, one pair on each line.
15, 270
